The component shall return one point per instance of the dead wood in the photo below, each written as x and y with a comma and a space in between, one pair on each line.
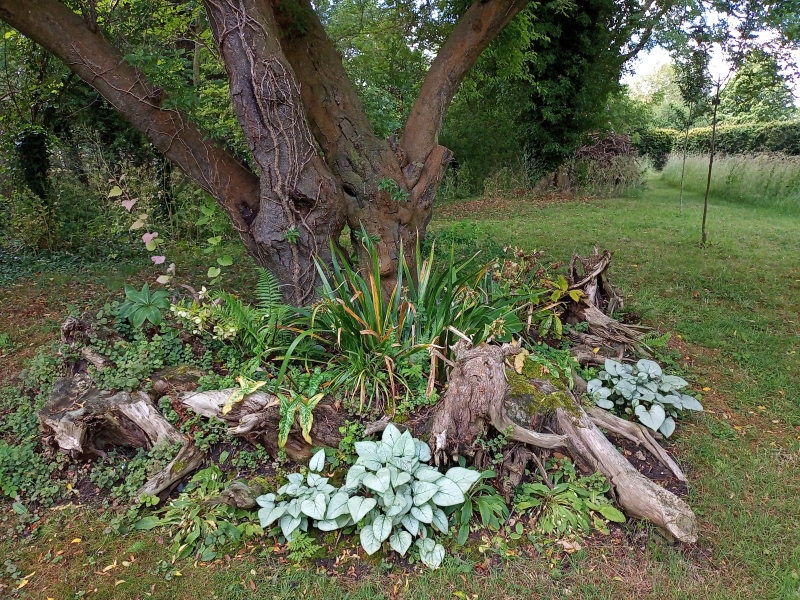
256, 419
83, 422
478, 395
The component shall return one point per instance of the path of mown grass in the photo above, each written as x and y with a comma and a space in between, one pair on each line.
734, 305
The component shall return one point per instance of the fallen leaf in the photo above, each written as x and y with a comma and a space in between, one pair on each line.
706, 389
118, 582
76, 541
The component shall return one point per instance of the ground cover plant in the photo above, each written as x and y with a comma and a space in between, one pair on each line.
722, 566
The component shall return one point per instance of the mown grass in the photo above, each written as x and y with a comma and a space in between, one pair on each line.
766, 180
733, 309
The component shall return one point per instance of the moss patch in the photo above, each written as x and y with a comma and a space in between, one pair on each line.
535, 392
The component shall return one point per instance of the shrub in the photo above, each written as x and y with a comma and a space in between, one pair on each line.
657, 144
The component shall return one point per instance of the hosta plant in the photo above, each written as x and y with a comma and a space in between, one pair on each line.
642, 390
389, 494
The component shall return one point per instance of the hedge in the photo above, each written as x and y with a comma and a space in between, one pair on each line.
777, 136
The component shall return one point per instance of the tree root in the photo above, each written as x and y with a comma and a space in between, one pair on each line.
83, 421
478, 395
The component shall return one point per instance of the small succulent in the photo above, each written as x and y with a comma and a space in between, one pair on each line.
642, 390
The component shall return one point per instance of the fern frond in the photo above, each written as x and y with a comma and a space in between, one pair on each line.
268, 291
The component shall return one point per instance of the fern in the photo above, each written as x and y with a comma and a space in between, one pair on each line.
653, 340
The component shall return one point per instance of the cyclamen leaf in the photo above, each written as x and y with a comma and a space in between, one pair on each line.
463, 478
314, 508
649, 367
378, 482
368, 540
355, 475
366, 448
327, 525
423, 513
690, 403
440, 520
423, 491
373, 462
359, 507
315, 480
288, 524
433, 558
449, 493
382, 527
268, 516
295, 478
338, 506
266, 501
401, 479
652, 418
317, 462
423, 450
411, 524
667, 427
390, 435
425, 473
294, 508
400, 542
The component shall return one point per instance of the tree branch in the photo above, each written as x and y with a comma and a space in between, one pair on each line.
90, 56
471, 36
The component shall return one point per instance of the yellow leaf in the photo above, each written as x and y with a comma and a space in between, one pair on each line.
126, 563
119, 582
22, 584
178, 574
76, 541
109, 567
596, 350
706, 389
248, 386
69, 486
519, 363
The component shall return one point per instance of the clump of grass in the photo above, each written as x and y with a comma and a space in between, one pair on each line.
762, 180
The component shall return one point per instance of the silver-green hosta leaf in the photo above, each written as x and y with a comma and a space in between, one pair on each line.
327, 525
384, 451
396, 505
359, 507
649, 367
382, 527
404, 447
667, 427
613, 368
373, 462
422, 513
268, 516
424, 491
431, 553
400, 542
369, 542
266, 501
290, 489
399, 477
449, 493
317, 462
288, 524
690, 403
354, 476
378, 482
593, 385
404, 464
411, 524
625, 388
423, 450
440, 520
463, 478
652, 418
390, 435
314, 508
338, 506
426, 473
669, 383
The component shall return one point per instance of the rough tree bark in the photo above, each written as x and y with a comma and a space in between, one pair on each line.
290, 94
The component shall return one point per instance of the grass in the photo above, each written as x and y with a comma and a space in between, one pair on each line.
733, 310
766, 180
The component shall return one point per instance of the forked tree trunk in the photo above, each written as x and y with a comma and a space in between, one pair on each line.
320, 164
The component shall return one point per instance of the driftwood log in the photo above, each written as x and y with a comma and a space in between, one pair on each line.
480, 395
85, 422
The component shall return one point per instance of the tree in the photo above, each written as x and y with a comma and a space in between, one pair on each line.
321, 165
758, 92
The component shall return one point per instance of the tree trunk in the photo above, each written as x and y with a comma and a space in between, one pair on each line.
292, 97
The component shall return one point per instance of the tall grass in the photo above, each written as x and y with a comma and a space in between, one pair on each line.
763, 180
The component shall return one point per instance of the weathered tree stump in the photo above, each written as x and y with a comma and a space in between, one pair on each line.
484, 391
85, 422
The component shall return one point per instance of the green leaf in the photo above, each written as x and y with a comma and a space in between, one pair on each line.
360, 507
390, 435
440, 520
382, 527
317, 462
268, 516
411, 524
463, 478
137, 318
354, 476
424, 491
147, 523
19, 508
225, 261
379, 481
368, 540
423, 513
115, 192
338, 506
449, 493
652, 418
423, 450
213, 272
400, 542
434, 557
667, 427
288, 525
314, 508
611, 513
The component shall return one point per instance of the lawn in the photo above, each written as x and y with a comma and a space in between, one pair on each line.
733, 311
